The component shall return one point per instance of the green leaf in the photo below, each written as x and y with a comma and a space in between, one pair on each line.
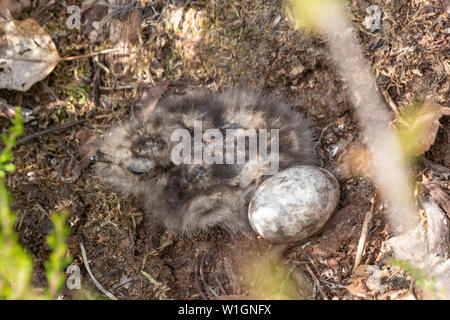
5, 139
9, 167
5, 156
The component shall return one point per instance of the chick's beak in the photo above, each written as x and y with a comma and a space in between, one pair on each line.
99, 157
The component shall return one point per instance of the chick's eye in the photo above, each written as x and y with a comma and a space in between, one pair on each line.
136, 171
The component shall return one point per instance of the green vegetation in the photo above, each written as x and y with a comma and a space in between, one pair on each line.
422, 279
16, 265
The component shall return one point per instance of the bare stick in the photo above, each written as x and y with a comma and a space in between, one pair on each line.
59, 59
389, 100
47, 131
97, 284
389, 166
197, 283
7, 111
222, 289
88, 55
363, 238
140, 85
317, 282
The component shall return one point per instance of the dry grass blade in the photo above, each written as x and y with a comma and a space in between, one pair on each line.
97, 284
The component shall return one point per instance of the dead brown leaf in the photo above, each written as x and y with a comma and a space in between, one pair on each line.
27, 54
101, 237
417, 126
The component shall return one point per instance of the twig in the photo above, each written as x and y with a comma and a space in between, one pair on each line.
317, 282
365, 229
97, 81
7, 111
122, 283
202, 263
210, 290
325, 129
140, 85
363, 238
87, 55
197, 283
222, 289
389, 100
369, 108
47, 131
332, 284
231, 275
59, 59
97, 284
310, 259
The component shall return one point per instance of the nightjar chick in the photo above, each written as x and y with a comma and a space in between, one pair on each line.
196, 160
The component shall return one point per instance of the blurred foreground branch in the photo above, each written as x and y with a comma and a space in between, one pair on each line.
389, 165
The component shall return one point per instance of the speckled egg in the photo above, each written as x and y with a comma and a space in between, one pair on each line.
294, 204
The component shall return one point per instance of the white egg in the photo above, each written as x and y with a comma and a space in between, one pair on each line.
294, 204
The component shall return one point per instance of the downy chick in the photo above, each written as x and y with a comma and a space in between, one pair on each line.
137, 157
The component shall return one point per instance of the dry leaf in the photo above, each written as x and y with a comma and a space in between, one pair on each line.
418, 126
357, 286
27, 54
101, 237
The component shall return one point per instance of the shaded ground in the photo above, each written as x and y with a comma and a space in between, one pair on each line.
215, 44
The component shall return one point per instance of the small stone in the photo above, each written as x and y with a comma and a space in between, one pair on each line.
31, 176
276, 20
372, 22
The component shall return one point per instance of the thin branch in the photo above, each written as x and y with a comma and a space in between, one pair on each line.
376, 204
141, 85
197, 283
363, 238
59, 59
47, 131
317, 282
97, 284
389, 100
